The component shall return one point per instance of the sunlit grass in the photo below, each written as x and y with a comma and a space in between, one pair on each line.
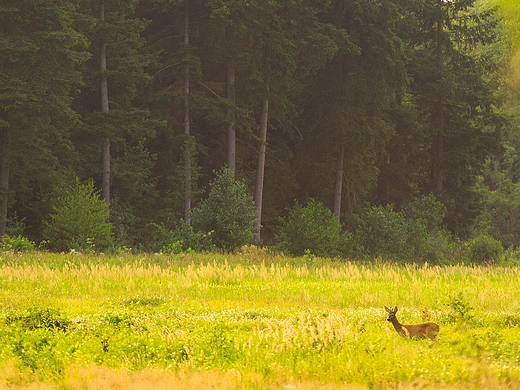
253, 321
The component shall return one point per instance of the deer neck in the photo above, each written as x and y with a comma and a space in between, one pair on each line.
398, 327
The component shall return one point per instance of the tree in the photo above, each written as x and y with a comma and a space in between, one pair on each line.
500, 188
39, 57
228, 214
452, 87
343, 101
115, 124
344, 122
250, 26
312, 228
105, 177
176, 97
80, 220
499, 183
274, 37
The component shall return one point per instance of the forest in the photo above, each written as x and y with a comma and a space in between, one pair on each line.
352, 126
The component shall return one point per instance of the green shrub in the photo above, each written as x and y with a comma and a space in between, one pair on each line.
36, 318
155, 236
188, 239
173, 248
183, 238
80, 220
412, 235
312, 229
461, 307
484, 249
127, 228
228, 215
382, 231
16, 244
16, 227
428, 210
511, 257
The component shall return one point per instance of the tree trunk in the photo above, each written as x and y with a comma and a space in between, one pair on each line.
438, 140
105, 180
231, 115
339, 183
260, 169
4, 178
187, 130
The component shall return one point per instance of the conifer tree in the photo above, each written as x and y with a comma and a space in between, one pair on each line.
39, 58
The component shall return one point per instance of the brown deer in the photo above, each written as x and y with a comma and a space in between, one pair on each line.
419, 331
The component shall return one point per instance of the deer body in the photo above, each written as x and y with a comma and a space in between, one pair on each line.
419, 331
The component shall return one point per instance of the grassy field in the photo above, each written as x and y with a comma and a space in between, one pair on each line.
252, 321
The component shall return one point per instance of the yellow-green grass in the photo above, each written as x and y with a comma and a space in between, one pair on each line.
252, 321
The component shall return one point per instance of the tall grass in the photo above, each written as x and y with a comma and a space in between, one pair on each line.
254, 321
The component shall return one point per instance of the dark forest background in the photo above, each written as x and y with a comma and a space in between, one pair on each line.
369, 108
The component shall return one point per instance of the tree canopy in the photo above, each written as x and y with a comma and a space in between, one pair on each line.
348, 102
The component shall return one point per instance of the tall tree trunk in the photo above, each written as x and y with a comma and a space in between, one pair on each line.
231, 134
260, 169
339, 183
187, 130
230, 114
105, 181
4, 178
438, 140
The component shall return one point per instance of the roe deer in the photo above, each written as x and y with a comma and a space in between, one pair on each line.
419, 331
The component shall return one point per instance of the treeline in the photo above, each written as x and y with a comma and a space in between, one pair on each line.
350, 104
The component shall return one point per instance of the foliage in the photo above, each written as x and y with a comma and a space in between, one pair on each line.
228, 214
188, 239
381, 230
484, 249
16, 227
510, 257
312, 229
80, 220
15, 240
500, 190
173, 248
181, 239
414, 234
461, 307
47, 318
40, 56
408, 92
428, 210
16, 244
453, 87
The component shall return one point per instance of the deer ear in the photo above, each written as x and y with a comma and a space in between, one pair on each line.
387, 309
395, 310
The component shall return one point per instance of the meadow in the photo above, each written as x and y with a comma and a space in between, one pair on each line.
252, 321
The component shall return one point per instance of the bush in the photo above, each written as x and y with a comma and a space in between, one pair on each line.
312, 229
16, 244
185, 239
155, 236
16, 227
382, 231
79, 221
511, 257
428, 210
416, 234
484, 249
228, 215
190, 239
